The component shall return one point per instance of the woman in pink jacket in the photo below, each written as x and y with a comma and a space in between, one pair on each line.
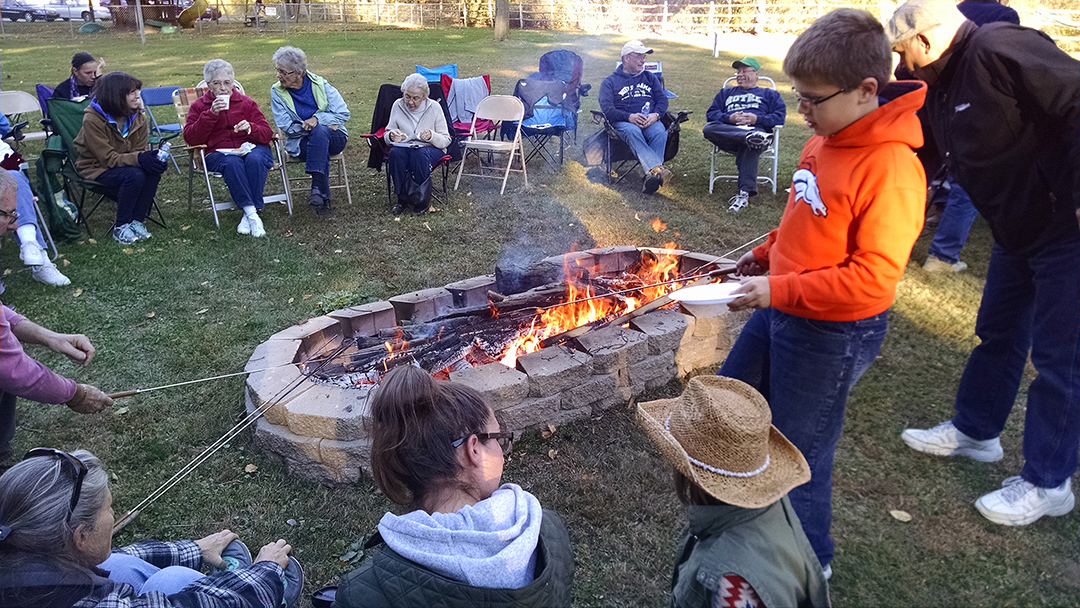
227, 125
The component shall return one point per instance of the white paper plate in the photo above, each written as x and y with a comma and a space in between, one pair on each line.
233, 151
713, 293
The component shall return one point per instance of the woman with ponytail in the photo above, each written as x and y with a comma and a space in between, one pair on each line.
466, 538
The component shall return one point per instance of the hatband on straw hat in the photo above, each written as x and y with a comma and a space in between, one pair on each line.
719, 434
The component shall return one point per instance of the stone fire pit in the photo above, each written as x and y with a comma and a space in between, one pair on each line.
318, 427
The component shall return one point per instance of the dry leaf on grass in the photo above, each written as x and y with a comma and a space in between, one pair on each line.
78, 291
552, 454
250, 468
900, 515
66, 262
128, 250
120, 411
547, 431
199, 312
150, 315
307, 295
291, 300
183, 228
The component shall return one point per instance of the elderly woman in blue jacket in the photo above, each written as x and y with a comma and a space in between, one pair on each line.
312, 115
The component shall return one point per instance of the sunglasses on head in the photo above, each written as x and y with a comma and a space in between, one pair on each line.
77, 466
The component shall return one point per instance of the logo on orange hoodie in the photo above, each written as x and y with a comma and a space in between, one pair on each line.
804, 181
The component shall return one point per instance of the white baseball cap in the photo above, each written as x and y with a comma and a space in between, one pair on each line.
634, 46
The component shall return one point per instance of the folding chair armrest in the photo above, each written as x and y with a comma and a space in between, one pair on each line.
16, 131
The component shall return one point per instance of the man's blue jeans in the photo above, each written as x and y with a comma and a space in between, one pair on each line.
805, 369
732, 139
647, 144
24, 206
956, 220
1029, 302
316, 148
244, 175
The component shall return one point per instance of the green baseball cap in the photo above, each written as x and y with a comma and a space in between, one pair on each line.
747, 62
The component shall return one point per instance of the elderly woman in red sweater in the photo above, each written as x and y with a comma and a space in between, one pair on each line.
223, 120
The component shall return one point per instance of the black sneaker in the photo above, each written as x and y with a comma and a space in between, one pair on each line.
652, 183
398, 209
758, 140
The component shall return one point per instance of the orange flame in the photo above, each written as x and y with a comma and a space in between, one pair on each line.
657, 225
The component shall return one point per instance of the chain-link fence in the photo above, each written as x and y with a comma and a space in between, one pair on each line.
619, 16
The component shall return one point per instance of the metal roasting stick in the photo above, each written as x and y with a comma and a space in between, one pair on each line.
158, 388
713, 273
248, 420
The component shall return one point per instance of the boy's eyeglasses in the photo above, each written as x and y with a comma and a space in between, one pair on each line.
815, 101
76, 465
505, 439
10, 215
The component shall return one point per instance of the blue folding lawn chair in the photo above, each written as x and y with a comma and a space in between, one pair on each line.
156, 97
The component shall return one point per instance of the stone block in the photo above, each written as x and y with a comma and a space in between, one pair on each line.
275, 414
274, 353
471, 292
660, 251
357, 322
652, 368
555, 369
598, 390
423, 305
354, 454
530, 413
697, 263
664, 328
280, 385
613, 260
319, 335
613, 347
573, 264
316, 471
564, 416
669, 374
328, 412
383, 316
503, 387
288, 445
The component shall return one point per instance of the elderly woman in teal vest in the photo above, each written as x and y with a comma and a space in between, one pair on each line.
312, 115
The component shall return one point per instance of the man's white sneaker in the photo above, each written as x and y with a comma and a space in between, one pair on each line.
245, 226
256, 224
739, 201
936, 264
827, 571
1019, 503
48, 274
32, 254
945, 440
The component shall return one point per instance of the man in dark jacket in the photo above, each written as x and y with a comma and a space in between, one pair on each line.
1004, 105
633, 100
740, 121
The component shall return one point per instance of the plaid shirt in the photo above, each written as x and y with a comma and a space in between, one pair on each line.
259, 584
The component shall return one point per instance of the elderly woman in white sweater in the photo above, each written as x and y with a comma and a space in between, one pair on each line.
418, 135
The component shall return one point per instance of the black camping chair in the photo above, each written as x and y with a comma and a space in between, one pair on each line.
606, 149
380, 150
547, 116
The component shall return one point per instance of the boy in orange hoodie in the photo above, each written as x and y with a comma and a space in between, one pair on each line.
854, 212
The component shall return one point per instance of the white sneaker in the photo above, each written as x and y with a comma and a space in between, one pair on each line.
244, 227
256, 224
1018, 502
827, 571
945, 440
936, 264
32, 254
48, 274
739, 201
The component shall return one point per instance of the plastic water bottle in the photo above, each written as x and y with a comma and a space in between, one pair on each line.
163, 151
645, 108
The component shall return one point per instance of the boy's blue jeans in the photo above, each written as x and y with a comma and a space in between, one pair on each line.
647, 144
1029, 303
956, 220
805, 369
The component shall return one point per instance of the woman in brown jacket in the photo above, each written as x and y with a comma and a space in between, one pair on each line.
113, 149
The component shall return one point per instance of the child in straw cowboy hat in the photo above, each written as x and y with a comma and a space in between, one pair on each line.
744, 545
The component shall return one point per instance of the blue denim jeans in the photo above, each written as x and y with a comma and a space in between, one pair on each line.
411, 164
24, 206
805, 369
316, 148
1029, 303
135, 190
647, 144
244, 175
956, 220
146, 577
732, 139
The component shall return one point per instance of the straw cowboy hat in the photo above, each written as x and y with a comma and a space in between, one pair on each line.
719, 434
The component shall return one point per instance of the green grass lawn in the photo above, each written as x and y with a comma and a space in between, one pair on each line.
194, 301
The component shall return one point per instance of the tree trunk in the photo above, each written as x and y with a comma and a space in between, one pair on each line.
502, 19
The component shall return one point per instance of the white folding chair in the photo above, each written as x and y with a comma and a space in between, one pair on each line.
772, 153
496, 108
15, 104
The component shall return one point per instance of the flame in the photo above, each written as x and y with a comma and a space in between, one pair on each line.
584, 308
657, 225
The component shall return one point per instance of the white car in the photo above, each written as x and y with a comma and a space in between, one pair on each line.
75, 9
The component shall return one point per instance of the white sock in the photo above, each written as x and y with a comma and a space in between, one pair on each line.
251, 211
27, 234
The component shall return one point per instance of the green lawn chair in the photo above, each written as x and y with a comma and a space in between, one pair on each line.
67, 119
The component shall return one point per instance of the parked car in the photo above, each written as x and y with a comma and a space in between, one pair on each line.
75, 9
16, 10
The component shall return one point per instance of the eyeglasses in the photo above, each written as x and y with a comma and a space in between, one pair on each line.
814, 101
76, 464
281, 72
413, 97
505, 439
10, 215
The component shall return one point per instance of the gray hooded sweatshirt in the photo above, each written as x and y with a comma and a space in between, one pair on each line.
490, 544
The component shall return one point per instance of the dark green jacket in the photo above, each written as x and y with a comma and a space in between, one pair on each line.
388, 579
767, 547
